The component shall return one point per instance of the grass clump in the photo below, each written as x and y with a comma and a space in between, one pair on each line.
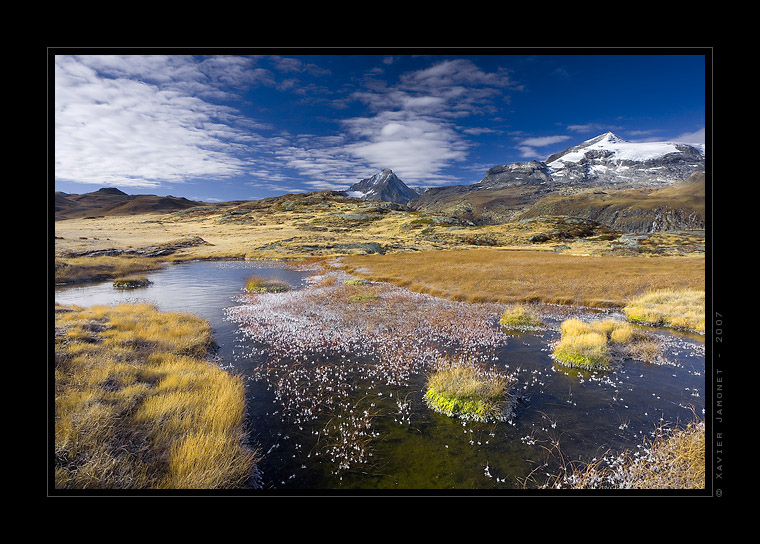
364, 297
357, 282
131, 282
138, 405
469, 393
520, 317
677, 308
265, 285
597, 345
671, 460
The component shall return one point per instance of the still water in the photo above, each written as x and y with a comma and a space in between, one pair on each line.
558, 414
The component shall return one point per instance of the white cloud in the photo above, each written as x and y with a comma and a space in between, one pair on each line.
147, 120
588, 127
697, 137
113, 130
527, 146
323, 166
411, 130
527, 152
412, 145
542, 141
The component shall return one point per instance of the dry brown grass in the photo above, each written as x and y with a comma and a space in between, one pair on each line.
312, 225
101, 268
492, 275
671, 460
596, 345
678, 308
137, 405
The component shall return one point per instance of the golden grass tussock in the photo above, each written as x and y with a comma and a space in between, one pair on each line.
514, 276
258, 284
142, 408
521, 317
467, 392
671, 460
677, 308
596, 345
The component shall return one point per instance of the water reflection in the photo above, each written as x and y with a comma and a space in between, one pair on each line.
203, 288
582, 414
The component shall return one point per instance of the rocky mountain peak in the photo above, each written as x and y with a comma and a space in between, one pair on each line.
608, 137
385, 186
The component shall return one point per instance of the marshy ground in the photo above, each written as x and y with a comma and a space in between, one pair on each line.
394, 299
338, 351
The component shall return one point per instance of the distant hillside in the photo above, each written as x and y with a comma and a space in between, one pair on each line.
112, 201
675, 207
481, 206
624, 185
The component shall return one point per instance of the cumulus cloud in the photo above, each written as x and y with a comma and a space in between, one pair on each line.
412, 145
412, 128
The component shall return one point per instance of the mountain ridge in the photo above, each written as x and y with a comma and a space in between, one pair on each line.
113, 201
631, 186
603, 163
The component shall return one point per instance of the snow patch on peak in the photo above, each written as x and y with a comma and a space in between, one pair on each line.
618, 148
606, 137
384, 185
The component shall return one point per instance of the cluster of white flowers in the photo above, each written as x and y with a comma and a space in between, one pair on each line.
324, 351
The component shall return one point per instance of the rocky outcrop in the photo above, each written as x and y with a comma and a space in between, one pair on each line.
680, 206
509, 175
158, 250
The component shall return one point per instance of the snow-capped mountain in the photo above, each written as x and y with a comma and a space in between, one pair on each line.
608, 159
385, 186
605, 163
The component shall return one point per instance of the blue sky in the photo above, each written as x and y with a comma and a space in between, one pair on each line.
248, 126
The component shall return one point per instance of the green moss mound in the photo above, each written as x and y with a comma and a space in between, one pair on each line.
266, 285
131, 283
468, 393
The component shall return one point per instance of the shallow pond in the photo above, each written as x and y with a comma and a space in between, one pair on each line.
337, 406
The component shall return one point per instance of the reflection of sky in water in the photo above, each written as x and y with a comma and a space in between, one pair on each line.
202, 288
585, 414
